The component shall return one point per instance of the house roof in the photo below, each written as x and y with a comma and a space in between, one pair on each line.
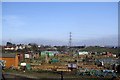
8, 55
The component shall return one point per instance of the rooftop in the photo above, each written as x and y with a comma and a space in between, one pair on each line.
8, 55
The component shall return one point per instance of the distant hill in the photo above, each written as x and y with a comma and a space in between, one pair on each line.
106, 41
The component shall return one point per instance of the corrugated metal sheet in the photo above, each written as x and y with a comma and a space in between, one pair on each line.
8, 55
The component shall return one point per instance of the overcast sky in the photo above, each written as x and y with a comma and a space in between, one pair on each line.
53, 21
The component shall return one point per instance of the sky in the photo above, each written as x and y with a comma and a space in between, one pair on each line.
51, 22
60, 0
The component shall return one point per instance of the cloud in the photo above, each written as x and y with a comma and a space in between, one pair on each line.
12, 21
12, 25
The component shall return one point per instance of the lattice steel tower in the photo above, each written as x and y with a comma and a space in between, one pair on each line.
70, 39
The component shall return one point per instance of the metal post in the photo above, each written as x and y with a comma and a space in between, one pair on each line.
61, 75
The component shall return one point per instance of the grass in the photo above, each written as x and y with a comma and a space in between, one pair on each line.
100, 49
53, 75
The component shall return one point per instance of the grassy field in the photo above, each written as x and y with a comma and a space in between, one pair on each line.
52, 75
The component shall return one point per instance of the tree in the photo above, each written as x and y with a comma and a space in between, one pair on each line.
34, 46
9, 44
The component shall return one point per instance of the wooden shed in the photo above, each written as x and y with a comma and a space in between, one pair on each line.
11, 59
